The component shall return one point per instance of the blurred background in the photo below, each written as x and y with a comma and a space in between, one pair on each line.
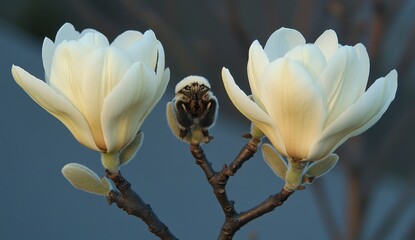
369, 194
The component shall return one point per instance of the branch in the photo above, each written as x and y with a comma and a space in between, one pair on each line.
218, 180
130, 202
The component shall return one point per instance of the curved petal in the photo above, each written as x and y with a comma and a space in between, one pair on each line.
344, 79
358, 117
160, 71
66, 32
128, 153
56, 105
126, 39
242, 102
125, 107
294, 102
257, 62
94, 40
145, 50
310, 57
328, 43
282, 41
48, 49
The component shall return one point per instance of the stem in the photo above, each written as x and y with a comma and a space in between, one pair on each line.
218, 180
130, 202
354, 208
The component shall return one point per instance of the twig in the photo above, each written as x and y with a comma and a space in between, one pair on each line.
130, 202
218, 180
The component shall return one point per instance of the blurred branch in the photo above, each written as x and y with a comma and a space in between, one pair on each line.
323, 205
392, 217
235, 25
218, 180
355, 204
130, 202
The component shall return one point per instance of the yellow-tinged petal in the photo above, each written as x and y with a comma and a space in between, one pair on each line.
294, 102
56, 105
66, 32
242, 102
127, 39
310, 57
328, 43
358, 117
83, 178
344, 79
257, 62
126, 106
282, 41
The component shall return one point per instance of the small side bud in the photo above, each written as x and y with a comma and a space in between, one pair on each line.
274, 160
321, 167
83, 178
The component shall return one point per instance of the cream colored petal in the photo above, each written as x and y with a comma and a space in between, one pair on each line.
48, 49
344, 79
310, 57
257, 62
145, 50
282, 41
357, 118
94, 40
128, 153
76, 74
127, 39
56, 105
274, 160
252, 111
323, 166
242, 102
83, 178
294, 102
160, 71
66, 32
161, 88
104, 71
126, 106
328, 43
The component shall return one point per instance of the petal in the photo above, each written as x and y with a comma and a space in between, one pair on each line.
145, 50
71, 76
94, 40
126, 39
126, 106
274, 160
328, 43
66, 32
357, 118
56, 105
310, 57
128, 153
48, 49
344, 79
294, 102
242, 102
282, 41
257, 62
85, 179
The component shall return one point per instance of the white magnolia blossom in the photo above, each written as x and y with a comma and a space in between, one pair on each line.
310, 98
101, 91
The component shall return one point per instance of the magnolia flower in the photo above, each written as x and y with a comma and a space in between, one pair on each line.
100, 91
310, 98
